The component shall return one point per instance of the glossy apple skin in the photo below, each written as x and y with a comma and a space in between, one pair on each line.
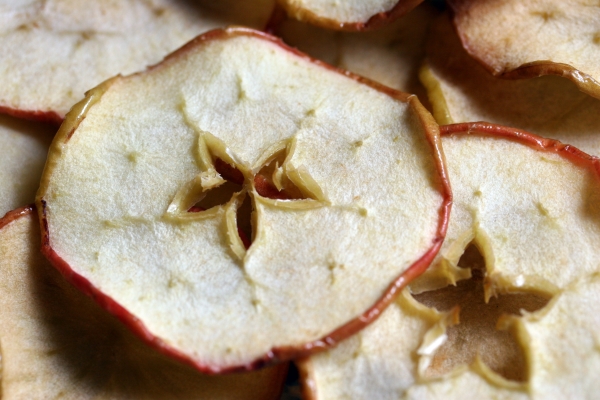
284, 353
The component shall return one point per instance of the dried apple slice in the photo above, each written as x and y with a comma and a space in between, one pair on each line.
350, 15
53, 51
460, 90
390, 55
521, 321
516, 39
25, 145
139, 152
57, 343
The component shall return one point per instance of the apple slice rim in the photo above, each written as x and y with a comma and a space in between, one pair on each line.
536, 142
48, 116
586, 83
376, 21
278, 354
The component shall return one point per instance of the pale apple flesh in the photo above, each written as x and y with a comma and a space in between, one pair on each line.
460, 90
54, 51
516, 39
350, 15
140, 151
24, 147
56, 342
503, 312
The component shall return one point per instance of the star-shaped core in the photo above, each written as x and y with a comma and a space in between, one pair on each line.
477, 332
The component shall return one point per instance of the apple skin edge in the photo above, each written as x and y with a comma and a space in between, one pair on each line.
536, 142
376, 21
77, 114
50, 117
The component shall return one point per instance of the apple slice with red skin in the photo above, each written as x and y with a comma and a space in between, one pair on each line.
530, 205
138, 152
350, 15
461, 90
53, 51
56, 342
24, 147
516, 39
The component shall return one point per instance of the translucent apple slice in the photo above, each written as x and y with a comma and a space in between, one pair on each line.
516, 39
53, 51
140, 151
350, 15
391, 55
57, 343
24, 147
520, 321
460, 90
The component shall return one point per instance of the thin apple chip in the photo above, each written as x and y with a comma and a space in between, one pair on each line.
55, 50
140, 151
57, 343
460, 90
390, 55
351, 15
509, 307
24, 147
517, 39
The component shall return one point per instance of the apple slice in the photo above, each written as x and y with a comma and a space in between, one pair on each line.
521, 320
56, 342
349, 15
460, 90
139, 152
516, 39
390, 55
53, 51
24, 147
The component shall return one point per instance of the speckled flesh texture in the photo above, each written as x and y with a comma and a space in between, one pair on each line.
522, 39
53, 51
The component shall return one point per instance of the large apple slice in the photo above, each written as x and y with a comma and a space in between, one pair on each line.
24, 146
131, 159
517, 39
460, 90
522, 320
57, 343
53, 51
390, 55
351, 15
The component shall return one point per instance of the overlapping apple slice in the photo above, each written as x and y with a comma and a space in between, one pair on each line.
460, 90
350, 15
366, 213
391, 55
53, 51
522, 320
57, 343
24, 146
517, 39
